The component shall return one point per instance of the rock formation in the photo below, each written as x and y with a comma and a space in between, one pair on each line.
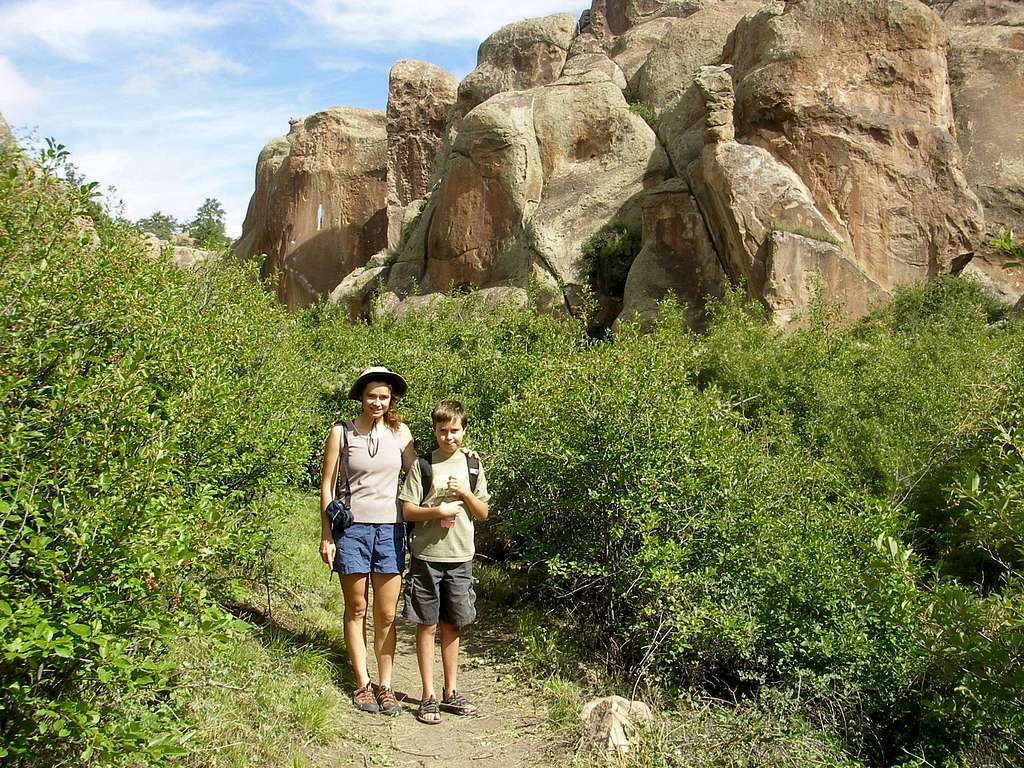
853, 97
821, 153
420, 98
319, 209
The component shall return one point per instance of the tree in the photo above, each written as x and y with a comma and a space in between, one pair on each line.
161, 224
207, 228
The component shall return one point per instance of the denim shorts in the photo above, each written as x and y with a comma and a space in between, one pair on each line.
440, 591
371, 548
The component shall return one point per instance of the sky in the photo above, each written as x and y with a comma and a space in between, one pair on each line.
170, 103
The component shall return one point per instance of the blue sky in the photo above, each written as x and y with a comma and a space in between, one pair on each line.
171, 102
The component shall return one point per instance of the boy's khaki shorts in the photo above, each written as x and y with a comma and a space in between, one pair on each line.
440, 591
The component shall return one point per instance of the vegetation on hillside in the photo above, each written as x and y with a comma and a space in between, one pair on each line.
824, 523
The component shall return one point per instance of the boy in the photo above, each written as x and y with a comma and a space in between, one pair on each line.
439, 586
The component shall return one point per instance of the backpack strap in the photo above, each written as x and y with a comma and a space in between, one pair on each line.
426, 475
342, 450
474, 470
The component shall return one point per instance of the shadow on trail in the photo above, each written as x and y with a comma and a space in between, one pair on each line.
273, 632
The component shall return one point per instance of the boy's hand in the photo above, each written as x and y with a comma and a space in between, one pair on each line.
450, 508
456, 487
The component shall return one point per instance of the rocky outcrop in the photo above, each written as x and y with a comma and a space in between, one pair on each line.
519, 56
420, 98
987, 79
821, 159
853, 97
318, 211
676, 256
763, 220
532, 175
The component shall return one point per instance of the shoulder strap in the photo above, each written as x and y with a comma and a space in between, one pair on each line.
342, 450
474, 470
426, 475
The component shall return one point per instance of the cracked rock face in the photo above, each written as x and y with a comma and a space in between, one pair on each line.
420, 98
986, 73
318, 211
532, 175
853, 97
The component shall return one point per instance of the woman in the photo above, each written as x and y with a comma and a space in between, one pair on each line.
373, 450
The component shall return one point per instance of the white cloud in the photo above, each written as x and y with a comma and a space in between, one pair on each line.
185, 62
376, 22
76, 30
16, 95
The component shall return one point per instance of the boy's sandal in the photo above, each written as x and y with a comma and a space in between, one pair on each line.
429, 707
458, 704
387, 702
364, 699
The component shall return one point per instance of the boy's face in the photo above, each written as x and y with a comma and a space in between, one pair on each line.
449, 436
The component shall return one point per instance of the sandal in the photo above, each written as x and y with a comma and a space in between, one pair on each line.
458, 704
428, 707
364, 699
387, 702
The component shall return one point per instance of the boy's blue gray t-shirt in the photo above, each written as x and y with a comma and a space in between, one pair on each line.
430, 541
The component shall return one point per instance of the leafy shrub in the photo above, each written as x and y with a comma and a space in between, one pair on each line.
146, 412
608, 254
1004, 243
644, 111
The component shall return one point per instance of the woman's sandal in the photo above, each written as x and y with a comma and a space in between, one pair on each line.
387, 702
364, 699
458, 704
429, 707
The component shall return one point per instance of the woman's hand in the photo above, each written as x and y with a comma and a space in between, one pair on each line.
327, 551
470, 452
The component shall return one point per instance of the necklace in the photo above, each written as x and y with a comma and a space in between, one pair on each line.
372, 441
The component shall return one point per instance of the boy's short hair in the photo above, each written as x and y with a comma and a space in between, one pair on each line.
448, 411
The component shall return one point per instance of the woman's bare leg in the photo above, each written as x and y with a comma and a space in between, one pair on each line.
387, 588
354, 588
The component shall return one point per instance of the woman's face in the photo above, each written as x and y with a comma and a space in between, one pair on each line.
376, 399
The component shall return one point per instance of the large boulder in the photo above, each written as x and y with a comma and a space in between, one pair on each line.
853, 97
612, 18
532, 175
763, 219
321, 213
676, 256
519, 56
420, 97
256, 237
690, 42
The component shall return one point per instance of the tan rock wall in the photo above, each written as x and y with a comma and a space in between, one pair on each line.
321, 213
420, 98
853, 96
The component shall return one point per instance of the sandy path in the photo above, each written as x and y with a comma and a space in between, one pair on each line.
510, 730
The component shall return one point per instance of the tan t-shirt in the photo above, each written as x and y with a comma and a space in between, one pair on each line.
430, 541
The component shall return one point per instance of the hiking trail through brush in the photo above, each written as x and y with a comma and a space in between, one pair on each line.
509, 730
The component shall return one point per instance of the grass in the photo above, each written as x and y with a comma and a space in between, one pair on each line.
272, 692
810, 234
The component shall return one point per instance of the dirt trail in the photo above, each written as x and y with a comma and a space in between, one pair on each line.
510, 730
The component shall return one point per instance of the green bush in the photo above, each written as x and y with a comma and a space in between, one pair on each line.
644, 111
608, 255
145, 412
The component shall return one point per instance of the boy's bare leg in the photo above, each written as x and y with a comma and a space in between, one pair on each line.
450, 656
387, 588
425, 660
353, 587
